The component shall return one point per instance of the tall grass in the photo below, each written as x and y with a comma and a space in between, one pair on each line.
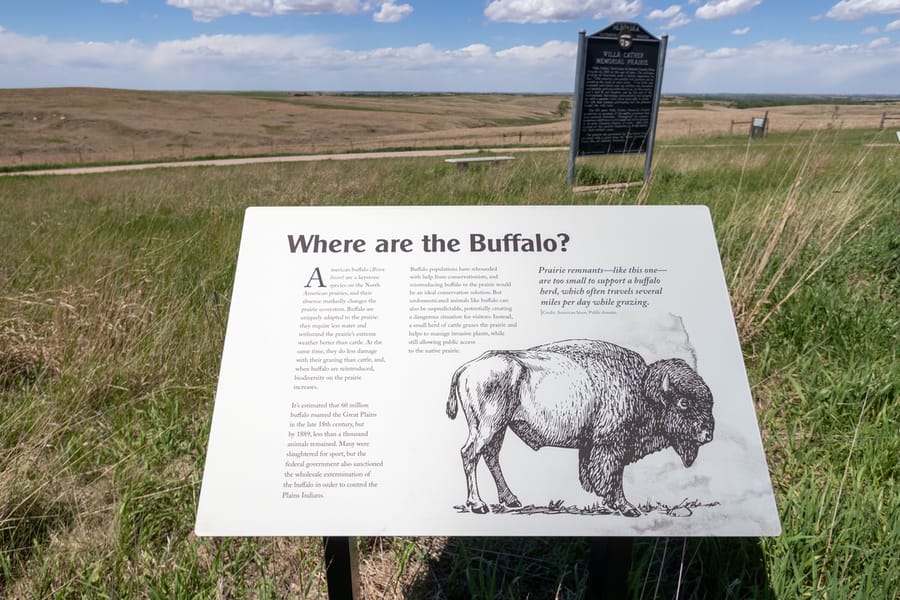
114, 291
822, 201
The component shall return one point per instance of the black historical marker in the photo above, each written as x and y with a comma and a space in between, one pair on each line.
617, 91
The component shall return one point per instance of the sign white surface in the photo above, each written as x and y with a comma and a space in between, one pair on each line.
353, 332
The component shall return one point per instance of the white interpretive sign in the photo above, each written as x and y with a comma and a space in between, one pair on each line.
484, 370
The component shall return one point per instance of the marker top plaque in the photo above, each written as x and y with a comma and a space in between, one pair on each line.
526, 370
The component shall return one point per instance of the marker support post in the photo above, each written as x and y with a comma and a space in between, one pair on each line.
342, 568
608, 567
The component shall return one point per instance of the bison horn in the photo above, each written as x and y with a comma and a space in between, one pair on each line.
665, 384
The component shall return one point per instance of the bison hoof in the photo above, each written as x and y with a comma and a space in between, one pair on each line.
480, 508
628, 510
510, 501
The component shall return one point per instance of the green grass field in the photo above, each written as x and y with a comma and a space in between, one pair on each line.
114, 293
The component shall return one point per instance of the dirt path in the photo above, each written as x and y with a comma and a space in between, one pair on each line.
228, 162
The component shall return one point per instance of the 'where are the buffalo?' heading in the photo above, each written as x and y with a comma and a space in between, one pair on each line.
430, 243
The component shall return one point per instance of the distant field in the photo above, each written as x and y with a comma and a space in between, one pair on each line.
91, 125
88, 125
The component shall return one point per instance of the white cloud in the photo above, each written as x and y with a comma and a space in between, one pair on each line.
785, 67
554, 51
209, 10
29, 55
717, 9
851, 10
668, 13
679, 20
315, 7
673, 15
474, 51
554, 11
722, 53
278, 62
684, 54
113, 1
892, 26
740, 31
235, 62
870, 30
389, 12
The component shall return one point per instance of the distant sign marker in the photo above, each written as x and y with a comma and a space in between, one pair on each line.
617, 88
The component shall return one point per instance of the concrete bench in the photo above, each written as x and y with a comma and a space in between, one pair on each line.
463, 163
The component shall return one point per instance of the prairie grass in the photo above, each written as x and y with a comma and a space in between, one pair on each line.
818, 205
114, 292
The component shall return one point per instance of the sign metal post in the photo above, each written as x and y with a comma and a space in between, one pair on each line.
608, 567
342, 568
576, 106
654, 113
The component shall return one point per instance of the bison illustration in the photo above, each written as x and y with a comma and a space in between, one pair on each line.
591, 395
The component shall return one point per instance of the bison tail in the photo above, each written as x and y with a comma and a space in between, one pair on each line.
453, 398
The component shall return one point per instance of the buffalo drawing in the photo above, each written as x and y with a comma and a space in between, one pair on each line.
591, 395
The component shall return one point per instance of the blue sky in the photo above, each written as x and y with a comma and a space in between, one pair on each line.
756, 46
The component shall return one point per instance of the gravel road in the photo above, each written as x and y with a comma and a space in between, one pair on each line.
227, 162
